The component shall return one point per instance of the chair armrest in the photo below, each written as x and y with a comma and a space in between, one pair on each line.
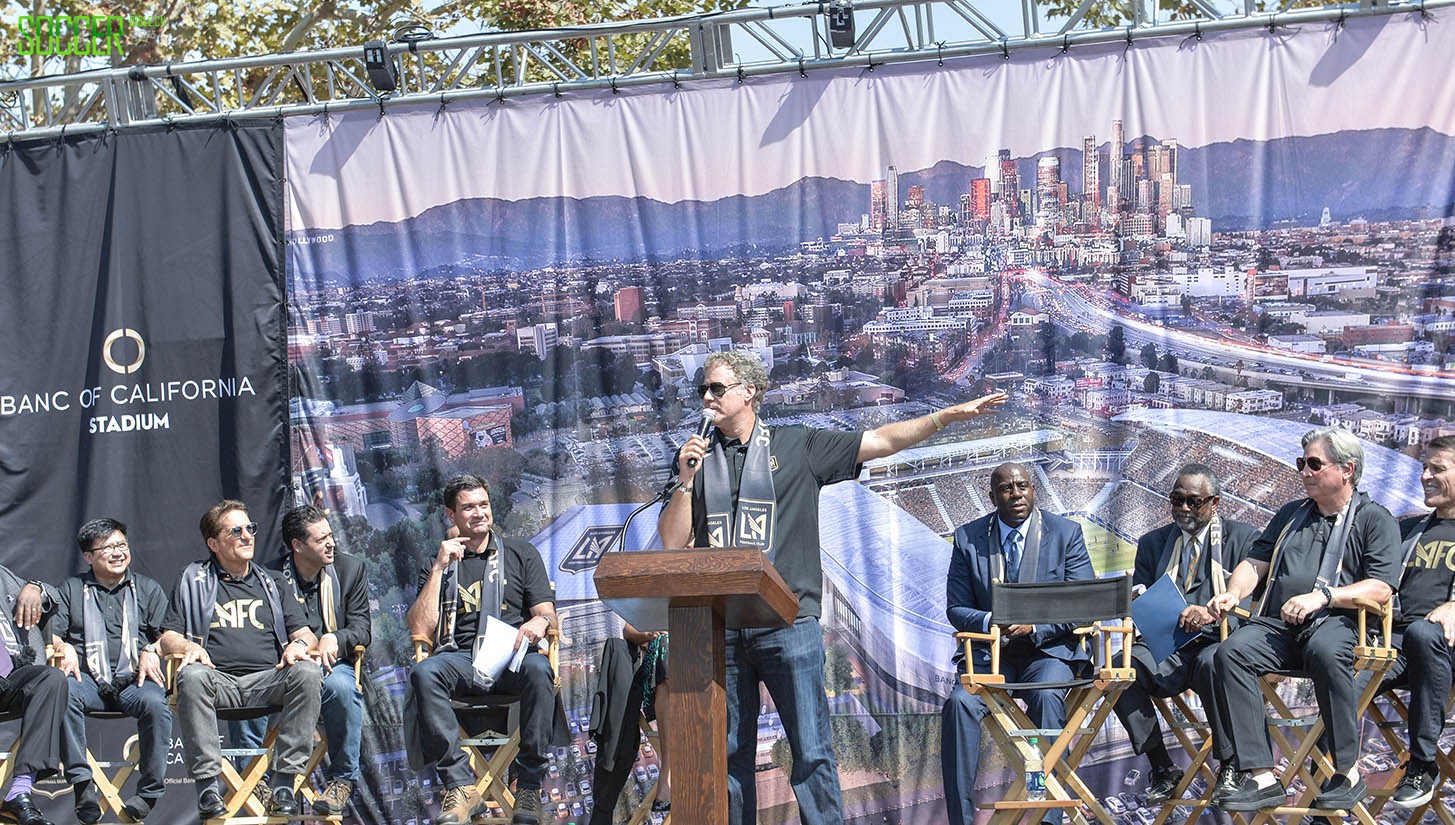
359, 651
423, 645
968, 638
553, 653
1371, 605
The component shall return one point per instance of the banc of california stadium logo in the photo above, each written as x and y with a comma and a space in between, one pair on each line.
588, 549
112, 363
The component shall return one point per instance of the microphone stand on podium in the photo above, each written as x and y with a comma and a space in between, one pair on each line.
696, 595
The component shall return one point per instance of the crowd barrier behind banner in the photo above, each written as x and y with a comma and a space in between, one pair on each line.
1183, 249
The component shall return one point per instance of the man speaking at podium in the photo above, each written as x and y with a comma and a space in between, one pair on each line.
747, 486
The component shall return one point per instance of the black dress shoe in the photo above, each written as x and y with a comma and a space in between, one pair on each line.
88, 803
1339, 794
136, 808
1250, 797
23, 811
282, 802
1164, 783
210, 804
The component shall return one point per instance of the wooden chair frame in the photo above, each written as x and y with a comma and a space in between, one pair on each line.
1444, 760
1307, 763
239, 786
491, 752
1089, 704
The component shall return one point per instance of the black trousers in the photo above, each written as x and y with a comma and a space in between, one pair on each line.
1190, 667
1424, 666
1322, 650
39, 693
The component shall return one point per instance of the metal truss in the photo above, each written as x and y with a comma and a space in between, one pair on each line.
500, 65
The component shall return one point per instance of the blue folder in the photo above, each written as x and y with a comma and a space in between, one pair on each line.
1155, 613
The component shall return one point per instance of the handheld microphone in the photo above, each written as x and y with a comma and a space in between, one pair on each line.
703, 429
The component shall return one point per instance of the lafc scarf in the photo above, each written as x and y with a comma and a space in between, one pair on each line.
199, 600
1212, 546
752, 522
328, 588
93, 628
444, 629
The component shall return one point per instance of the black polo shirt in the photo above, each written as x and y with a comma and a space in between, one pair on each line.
526, 585
1371, 551
803, 461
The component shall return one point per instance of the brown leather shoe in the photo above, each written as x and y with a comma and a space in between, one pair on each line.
460, 805
335, 797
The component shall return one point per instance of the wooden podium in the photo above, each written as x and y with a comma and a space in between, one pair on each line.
696, 595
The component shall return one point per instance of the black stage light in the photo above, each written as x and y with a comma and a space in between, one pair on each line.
382, 74
841, 24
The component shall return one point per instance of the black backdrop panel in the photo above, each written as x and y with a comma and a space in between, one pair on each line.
144, 371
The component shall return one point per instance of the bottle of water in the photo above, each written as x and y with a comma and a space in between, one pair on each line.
1035, 775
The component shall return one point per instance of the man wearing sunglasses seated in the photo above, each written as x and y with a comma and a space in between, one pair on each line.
1318, 555
1196, 550
244, 643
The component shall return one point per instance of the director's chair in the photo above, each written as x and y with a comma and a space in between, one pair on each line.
1088, 703
643, 812
1298, 737
1386, 724
490, 734
240, 786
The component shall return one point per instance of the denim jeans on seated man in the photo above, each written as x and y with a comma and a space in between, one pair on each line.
146, 704
342, 715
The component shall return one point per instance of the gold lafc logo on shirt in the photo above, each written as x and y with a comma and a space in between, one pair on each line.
237, 614
470, 595
1431, 555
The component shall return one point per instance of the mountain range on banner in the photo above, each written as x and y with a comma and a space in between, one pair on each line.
1377, 175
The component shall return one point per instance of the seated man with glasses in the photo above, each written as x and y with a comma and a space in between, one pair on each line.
105, 629
1196, 550
1318, 555
244, 643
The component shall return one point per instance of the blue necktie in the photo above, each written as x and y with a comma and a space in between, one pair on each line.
1013, 556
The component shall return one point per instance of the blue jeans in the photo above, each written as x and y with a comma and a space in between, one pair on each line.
790, 662
342, 714
146, 704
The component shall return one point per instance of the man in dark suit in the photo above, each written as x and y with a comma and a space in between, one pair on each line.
1016, 543
333, 589
1198, 550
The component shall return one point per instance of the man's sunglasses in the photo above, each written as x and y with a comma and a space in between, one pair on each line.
1313, 462
717, 388
236, 532
1191, 502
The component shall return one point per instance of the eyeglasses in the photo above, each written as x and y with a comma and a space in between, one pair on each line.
236, 532
1190, 502
717, 388
1313, 462
115, 547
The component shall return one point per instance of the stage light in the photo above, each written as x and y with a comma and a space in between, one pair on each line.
841, 24
382, 74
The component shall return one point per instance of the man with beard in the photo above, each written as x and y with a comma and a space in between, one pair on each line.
1017, 543
1197, 550
1425, 624
469, 580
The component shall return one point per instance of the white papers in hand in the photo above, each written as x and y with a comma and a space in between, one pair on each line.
495, 651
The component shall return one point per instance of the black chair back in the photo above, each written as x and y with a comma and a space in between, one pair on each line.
1077, 602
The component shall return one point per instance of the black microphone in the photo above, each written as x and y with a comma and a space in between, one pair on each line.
703, 430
